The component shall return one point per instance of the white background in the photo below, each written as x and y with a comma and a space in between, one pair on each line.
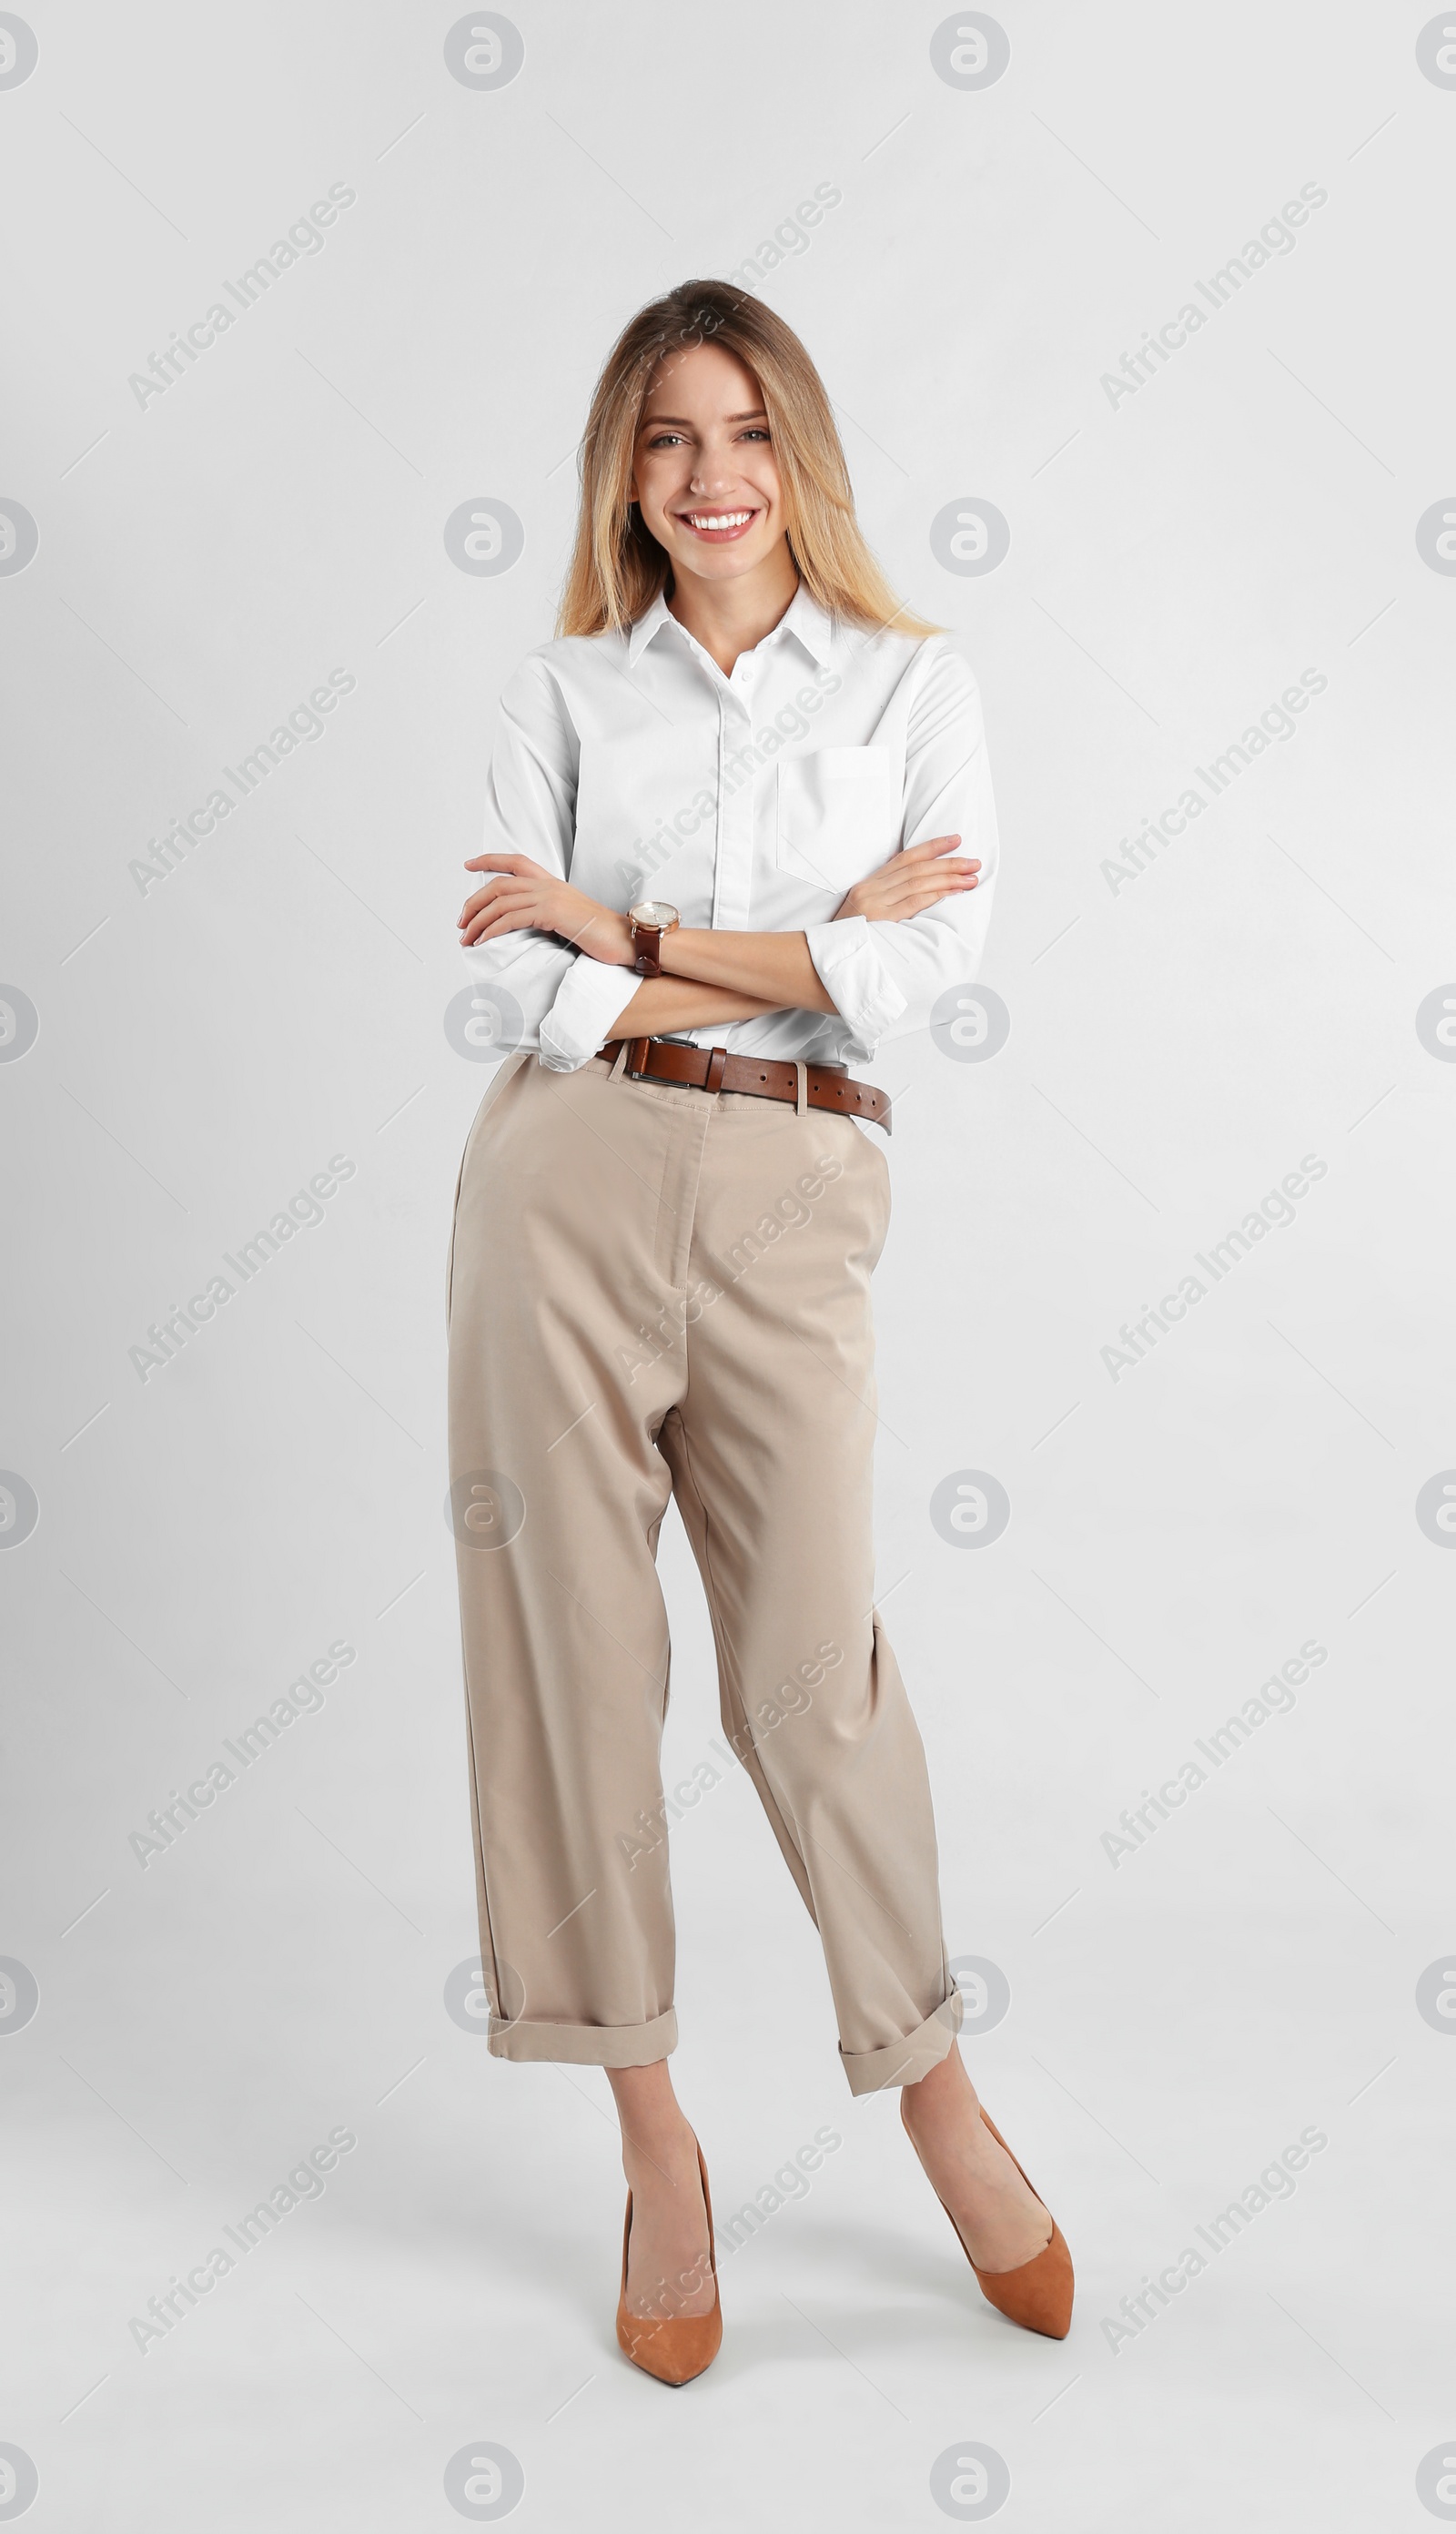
1176, 1046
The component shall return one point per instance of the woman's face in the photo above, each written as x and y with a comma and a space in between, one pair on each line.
703, 469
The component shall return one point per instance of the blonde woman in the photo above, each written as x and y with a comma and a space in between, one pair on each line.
721, 862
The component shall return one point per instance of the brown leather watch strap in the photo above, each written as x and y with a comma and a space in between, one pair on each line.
712, 1068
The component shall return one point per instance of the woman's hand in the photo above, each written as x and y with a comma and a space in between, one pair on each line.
911, 882
523, 897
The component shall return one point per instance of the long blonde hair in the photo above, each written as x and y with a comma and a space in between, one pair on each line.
618, 567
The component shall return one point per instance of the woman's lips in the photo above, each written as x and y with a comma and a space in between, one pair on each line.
718, 527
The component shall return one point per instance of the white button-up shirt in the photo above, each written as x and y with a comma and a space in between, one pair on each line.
632, 765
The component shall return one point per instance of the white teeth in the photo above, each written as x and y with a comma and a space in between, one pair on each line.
719, 520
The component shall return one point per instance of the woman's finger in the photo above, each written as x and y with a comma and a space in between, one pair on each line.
520, 904
904, 867
936, 876
482, 897
500, 893
909, 895
485, 927
901, 887
911, 870
954, 867
932, 845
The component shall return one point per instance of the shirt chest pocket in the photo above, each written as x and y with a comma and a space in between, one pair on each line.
838, 814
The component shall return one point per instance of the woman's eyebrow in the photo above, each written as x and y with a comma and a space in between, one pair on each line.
655, 421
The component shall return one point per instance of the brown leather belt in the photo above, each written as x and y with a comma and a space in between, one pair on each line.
712, 1068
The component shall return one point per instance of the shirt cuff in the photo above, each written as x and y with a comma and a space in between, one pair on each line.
853, 974
588, 1000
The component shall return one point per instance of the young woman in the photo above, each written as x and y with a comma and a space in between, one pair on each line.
721, 863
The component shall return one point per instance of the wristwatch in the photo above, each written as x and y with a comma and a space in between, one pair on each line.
649, 921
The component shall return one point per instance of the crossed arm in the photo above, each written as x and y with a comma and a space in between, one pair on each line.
709, 976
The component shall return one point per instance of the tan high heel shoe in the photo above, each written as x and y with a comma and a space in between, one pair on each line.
1037, 2294
678, 2349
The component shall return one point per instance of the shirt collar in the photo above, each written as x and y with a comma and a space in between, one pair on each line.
803, 617
646, 629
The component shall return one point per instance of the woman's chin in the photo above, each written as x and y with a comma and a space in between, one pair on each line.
702, 561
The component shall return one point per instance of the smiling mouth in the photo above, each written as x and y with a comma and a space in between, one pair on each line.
719, 528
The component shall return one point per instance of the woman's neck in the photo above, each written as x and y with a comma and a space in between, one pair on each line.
728, 616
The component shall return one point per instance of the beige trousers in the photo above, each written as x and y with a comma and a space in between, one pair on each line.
652, 1290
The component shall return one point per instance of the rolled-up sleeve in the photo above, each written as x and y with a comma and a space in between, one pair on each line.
886, 979
588, 1001
539, 992
846, 956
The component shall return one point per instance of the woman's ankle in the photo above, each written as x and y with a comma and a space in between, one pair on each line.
945, 2087
667, 2148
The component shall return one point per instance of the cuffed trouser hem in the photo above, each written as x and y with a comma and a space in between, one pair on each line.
904, 2063
586, 2046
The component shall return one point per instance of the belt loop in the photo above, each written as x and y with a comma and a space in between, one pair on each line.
802, 1070
717, 1067
619, 1067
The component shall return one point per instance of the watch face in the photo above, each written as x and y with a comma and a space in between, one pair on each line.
656, 912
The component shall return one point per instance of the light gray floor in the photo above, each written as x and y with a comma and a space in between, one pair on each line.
455, 2282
